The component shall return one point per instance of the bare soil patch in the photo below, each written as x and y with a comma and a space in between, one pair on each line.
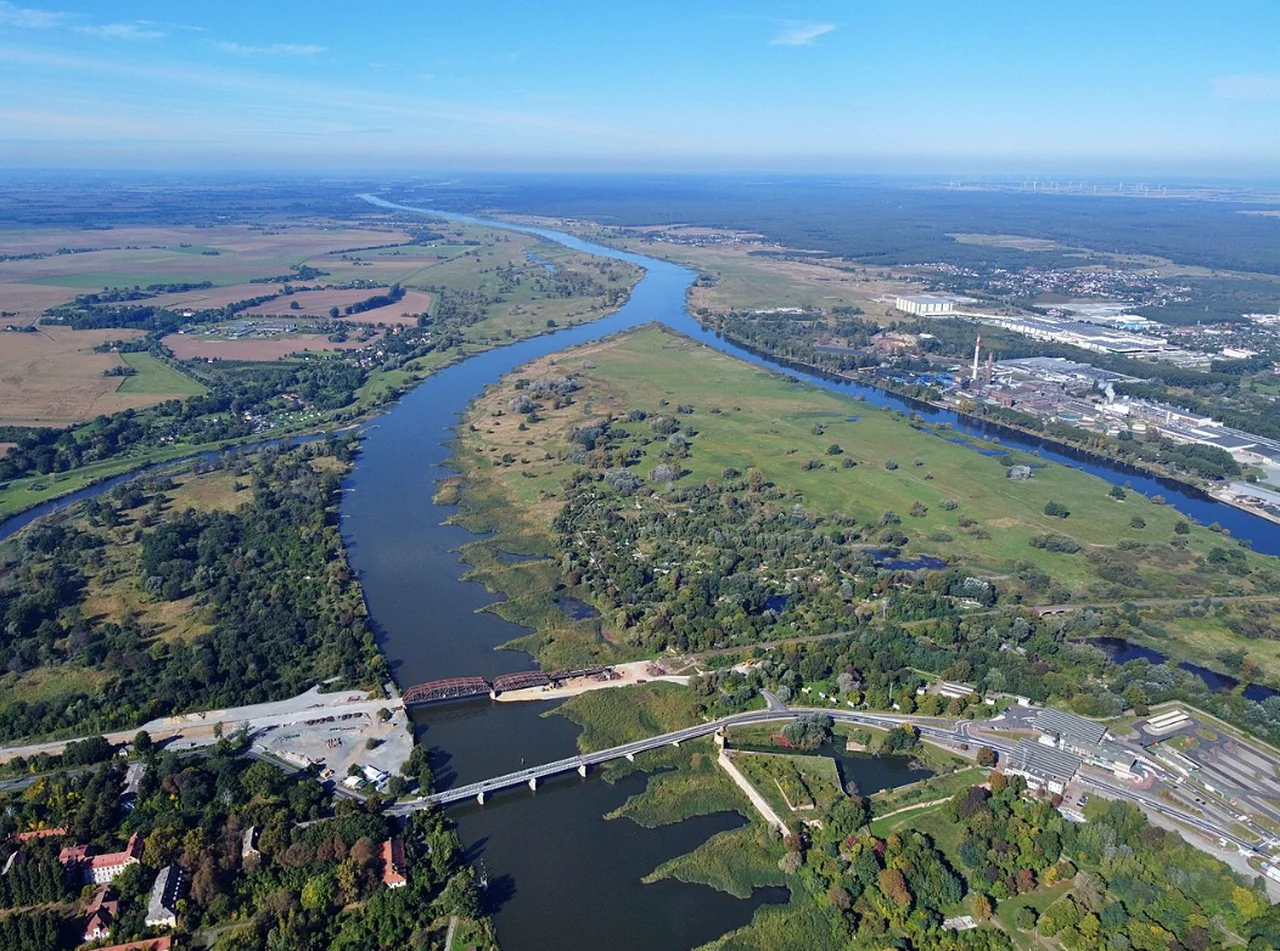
5, 447
192, 347
404, 311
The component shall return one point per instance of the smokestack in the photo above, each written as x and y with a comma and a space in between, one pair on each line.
991, 367
977, 350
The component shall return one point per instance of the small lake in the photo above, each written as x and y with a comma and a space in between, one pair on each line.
1121, 651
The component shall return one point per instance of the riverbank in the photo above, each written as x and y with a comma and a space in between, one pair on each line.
619, 675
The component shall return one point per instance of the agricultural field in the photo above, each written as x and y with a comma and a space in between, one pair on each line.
318, 303
54, 378
155, 377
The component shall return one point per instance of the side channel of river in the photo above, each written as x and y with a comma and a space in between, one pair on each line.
561, 874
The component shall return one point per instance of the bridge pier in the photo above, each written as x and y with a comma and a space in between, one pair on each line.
675, 743
631, 757
533, 782
480, 797
582, 770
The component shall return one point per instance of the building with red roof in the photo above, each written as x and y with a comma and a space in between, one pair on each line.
393, 871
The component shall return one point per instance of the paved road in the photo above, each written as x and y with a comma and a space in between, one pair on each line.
930, 728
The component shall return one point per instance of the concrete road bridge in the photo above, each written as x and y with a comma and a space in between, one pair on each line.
582, 763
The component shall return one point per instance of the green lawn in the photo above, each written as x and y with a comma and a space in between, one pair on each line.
1038, 900
155, 376
792, 784
927, 790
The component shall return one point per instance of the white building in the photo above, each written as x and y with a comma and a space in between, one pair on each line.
925, 305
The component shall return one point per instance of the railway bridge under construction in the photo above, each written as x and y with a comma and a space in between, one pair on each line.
462, 688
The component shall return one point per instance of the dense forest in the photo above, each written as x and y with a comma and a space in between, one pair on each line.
284, 611
889, 221
1132, 886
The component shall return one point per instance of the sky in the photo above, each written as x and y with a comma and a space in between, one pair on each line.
857, 85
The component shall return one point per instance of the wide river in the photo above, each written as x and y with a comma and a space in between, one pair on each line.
560, 875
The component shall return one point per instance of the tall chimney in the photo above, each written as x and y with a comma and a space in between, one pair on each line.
977, 349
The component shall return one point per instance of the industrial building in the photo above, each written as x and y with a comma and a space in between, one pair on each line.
1080, 334
926, 305
1060, 371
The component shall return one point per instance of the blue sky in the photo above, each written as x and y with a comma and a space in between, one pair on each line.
912, 85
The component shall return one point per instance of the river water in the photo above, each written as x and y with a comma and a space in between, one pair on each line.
562, 875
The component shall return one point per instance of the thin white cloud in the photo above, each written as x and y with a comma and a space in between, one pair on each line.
325, 95
29, 19
1249, 86
800, 33
122, 31
275, 49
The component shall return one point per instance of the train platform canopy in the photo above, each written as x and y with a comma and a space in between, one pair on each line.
1043, 766
1073, 731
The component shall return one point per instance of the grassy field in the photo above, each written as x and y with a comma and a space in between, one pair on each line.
613, 717
801, 925
157, 377
928, 790
112, 592
792, 784
968, 512
1038, 900
1200, 635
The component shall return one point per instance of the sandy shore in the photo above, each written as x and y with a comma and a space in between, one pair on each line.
627, 675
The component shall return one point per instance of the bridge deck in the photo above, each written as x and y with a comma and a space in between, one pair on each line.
452, 688
520, 777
